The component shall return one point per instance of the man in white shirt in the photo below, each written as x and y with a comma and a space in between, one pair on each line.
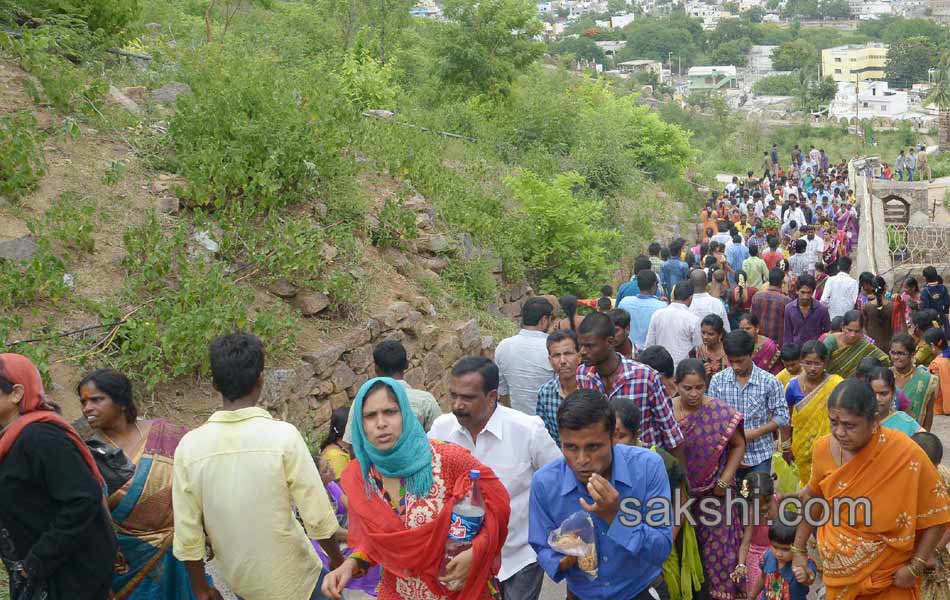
514, 445
675, 327
794, 213
703, 304
841, 291
523, 359
815, 246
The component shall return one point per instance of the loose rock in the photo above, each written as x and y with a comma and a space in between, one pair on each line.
312, 304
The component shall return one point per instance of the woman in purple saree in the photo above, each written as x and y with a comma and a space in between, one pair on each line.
848, 225
715, 444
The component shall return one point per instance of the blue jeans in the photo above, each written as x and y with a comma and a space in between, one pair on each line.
525, 584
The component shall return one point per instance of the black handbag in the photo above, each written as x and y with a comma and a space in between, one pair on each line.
114, 465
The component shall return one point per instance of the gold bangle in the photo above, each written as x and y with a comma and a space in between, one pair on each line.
923, 563
910, 567
796, 550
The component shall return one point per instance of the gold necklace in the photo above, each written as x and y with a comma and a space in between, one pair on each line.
906, 374
116, 444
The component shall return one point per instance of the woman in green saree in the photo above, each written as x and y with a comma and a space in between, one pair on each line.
881, 381
849, 346
917, 383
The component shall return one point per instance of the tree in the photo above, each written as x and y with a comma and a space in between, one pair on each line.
486, 43
939, 96
777, 85
656, 38
755, 14
581, 47
908, 61
833, 9
793, 55
617, 7
731, 53
374, 24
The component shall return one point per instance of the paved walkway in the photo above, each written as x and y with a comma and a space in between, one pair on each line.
941, 427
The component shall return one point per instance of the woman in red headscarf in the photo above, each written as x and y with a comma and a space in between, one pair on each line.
56, 534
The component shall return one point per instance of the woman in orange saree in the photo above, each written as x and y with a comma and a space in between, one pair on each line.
880, 552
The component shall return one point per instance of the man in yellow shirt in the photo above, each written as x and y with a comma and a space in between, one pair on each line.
238, 478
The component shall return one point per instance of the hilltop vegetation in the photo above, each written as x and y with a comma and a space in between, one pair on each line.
273, 157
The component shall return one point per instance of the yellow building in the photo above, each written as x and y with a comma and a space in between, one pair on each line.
846, 63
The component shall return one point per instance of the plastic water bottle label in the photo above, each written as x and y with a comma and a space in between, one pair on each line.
464, 529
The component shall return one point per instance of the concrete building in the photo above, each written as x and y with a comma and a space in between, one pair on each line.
621, 21
867, 10
875, 100
910, 9
704, 79
641, 66
844, 63
709, 14
940, 10
610, 48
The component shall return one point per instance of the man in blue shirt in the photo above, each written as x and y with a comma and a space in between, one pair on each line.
627, 493
632, 288
674, 270
641, 307
735, 256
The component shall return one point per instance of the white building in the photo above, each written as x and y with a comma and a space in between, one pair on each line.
621, 21
709, 14
867, 10
874, 100
610, 48
910, 9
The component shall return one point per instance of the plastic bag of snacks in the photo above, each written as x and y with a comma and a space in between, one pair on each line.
575, 537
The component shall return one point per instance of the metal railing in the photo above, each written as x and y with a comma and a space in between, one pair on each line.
918, 244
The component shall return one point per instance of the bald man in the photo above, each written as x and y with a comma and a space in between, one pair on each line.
703, 304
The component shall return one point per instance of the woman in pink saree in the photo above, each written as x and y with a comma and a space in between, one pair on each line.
847, 227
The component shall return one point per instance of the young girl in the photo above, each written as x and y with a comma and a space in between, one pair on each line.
759, 492
778, 582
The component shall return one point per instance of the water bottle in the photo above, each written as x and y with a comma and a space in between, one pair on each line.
467, 517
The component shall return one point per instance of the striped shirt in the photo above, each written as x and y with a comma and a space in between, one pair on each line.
760, 401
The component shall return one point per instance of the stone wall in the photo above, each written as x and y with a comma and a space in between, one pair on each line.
329, 377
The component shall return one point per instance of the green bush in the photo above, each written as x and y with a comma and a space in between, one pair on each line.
40, 278
183, 302
21, 162
71, 220
259, 130
110, 16
396, 225
566, 244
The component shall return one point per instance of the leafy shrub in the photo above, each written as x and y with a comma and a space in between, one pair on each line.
189, 302
39, 278
71, 220
566, 245
258, 129
471, 282
396, 225
367, 83
21, 162
110, 16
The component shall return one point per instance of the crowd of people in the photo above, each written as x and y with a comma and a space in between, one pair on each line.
724, 379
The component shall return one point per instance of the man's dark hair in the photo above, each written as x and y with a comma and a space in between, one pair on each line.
664, 254
931, 444
628, 412
736, 239
658, 358
560, 335
738, 343
583, 408
682, 291
237, 361
598, 324
791, 352
646, 280
390, 358
772, 241
641, 263
753, 249
604, 304
654, 248
534, 310
676, 247
620, 317
805, 280
776, 277
844, 264
481, 365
